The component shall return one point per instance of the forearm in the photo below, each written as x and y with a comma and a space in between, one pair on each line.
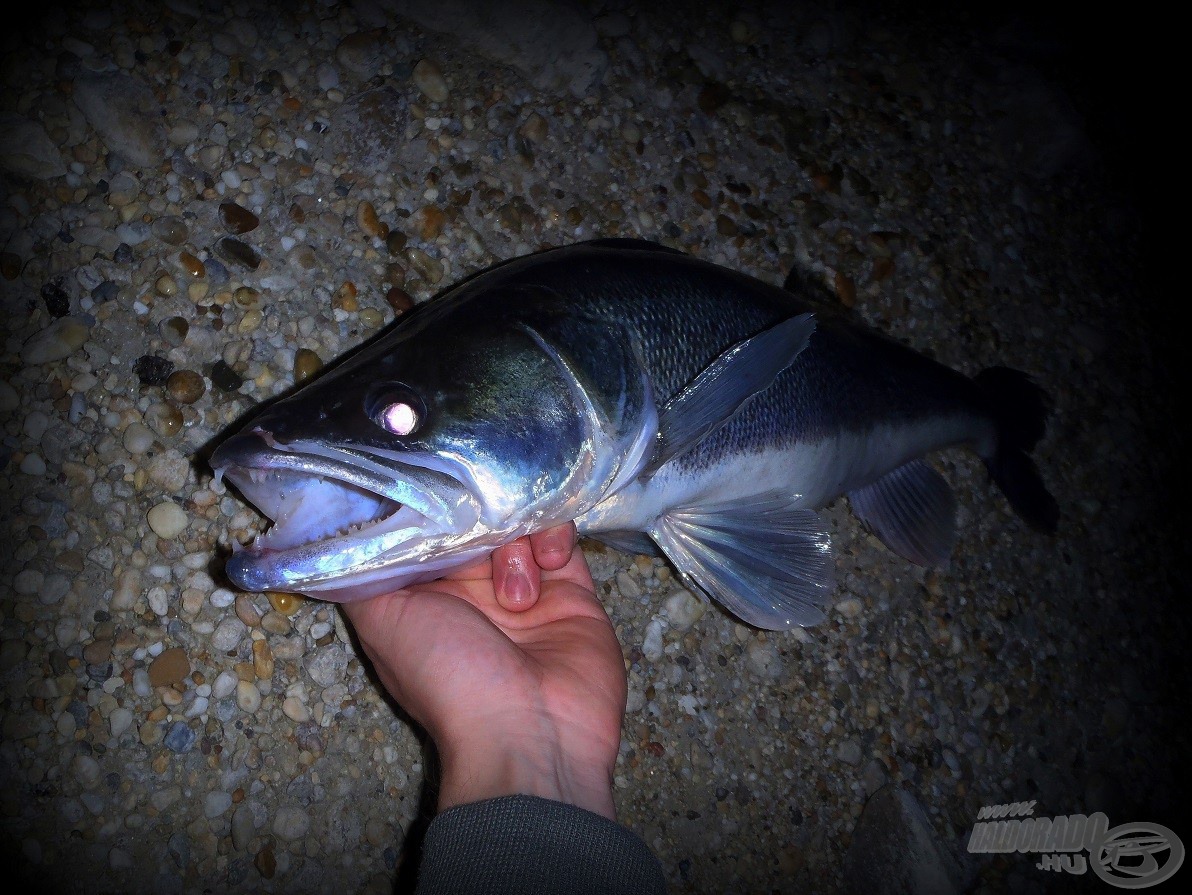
494, 767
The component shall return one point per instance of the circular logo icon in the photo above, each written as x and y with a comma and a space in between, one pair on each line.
1135, 856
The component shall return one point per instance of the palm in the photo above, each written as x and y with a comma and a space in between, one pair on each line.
464, 666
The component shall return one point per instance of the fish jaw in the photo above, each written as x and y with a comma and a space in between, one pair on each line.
347, 523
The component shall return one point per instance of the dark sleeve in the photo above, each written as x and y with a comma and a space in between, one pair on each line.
527, 844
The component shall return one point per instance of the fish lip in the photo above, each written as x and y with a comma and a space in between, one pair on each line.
441, 504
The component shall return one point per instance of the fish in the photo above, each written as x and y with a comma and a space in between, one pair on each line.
666, 404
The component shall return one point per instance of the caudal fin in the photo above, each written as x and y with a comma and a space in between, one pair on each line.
1020, 408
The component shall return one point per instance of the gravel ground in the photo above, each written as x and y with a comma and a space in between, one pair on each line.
200, 207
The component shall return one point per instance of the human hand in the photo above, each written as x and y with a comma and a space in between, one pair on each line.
513, 668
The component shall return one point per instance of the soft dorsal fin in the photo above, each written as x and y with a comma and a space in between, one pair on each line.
768, 561
717, 394
627, 242
912, 510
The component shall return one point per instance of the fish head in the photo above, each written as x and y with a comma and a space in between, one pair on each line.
421, 454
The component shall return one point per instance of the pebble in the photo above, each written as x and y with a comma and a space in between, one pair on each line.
248, 697
164, 419
295, 709
306, 364
228, 634
216, 803
368, 222
238, 253
171, 230
174, 330
186, 386
192, 265
652, 642
168, 520
137, 438
169, 667
152, 370
291, 822
237, 219
225, 378
761, 657
59, 340
243, 826
430, 81
286, 604
125, 113
180, 738
26, 150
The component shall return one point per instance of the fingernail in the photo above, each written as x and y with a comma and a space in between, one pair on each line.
517, 587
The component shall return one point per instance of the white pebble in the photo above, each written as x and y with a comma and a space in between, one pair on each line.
228, 634
159, 601
248, 697
138, 438
652, 644
295, 710
33, 465
216, 803
120, 720
291, 822
36, 424
763, 659
167, 520
224, 685
222, 598
683, 609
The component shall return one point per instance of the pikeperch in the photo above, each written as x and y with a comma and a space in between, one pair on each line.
658, 400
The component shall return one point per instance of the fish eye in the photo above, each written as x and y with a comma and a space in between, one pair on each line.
399, 418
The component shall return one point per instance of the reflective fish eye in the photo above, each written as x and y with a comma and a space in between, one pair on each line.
399, 418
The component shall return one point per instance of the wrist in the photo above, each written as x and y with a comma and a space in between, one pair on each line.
522, 764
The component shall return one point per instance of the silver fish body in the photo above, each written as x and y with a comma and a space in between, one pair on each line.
658, 400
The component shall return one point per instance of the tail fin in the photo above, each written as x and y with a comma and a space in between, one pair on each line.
1020, 409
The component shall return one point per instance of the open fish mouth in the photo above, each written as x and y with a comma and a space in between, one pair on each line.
340, 515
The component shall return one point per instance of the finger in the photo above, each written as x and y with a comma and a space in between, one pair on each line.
516, 580
553, 547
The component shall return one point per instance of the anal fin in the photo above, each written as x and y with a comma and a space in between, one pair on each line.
912, 510
766, 561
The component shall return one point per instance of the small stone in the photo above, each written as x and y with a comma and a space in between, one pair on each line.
56, 300
372, 317
27, 151
295, 709
345, 298
180, 738
399, 299
427, 267
126, 115
265, 862
164, 419
10, 265
248, 697
57, 341
262, 660
395, 242
430, 81
243, 826
216, 803
228, 634
237, 219
849, 751
174, 330
683, 609
152, 370
166, 286
246, 611
846, 289
761, 656
291, 822
850, 607
534, 129
306, 364
225, 378
168, 520
171, 230
192, 265
247, 298
86, 770
652, 645
286, 604
367, 220
237, 252
186, 386
170, 667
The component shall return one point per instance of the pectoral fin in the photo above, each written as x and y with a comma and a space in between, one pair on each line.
912, 510
769, 563
716, 395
